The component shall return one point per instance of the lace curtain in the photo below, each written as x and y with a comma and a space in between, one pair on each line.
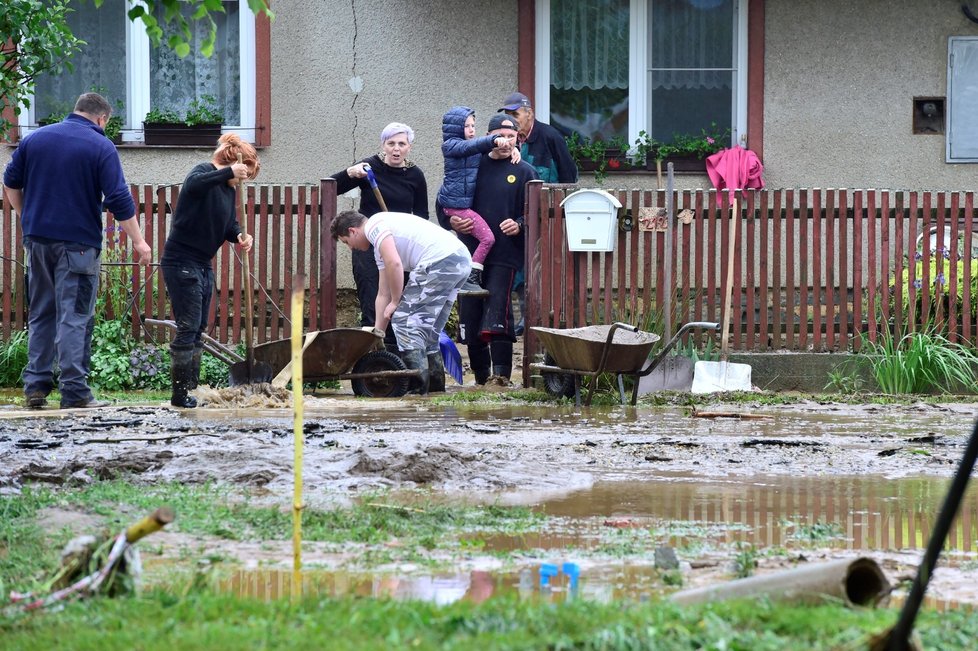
99, 66
174, 82
590, 48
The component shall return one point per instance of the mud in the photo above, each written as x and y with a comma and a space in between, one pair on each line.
600, 466
498, 452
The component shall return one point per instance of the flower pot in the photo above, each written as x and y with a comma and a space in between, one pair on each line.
680, 163
614, 160
199, 135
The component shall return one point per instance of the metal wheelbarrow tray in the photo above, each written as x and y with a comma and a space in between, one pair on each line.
618, 348
337, 354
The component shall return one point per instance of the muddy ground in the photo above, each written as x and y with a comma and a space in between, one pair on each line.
511, 451
508, 453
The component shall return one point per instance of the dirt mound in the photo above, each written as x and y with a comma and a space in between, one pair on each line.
246, 396
435, 464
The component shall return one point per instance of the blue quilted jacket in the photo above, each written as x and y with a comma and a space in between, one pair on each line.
461, 159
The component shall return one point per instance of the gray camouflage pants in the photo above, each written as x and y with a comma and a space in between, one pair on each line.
427, 302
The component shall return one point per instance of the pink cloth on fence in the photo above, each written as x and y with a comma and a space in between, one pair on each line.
735, 169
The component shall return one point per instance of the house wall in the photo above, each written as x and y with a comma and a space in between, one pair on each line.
840, 77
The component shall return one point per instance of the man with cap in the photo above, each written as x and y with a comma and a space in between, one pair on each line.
486, 325
541, 145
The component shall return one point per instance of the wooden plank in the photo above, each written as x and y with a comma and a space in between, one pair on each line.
750, 336
804, 277
315, 288
263, 261
713, 252
819, 277
952, 257
791, 290
289, 253
327, 255
843, 248
764, 270
275, 290
777, 268
871, 271
911, 248
899, 255
829, 225
925, 275
886, 243
858, 221
686, 255
8, 271
654, 254
937, 259
969, 255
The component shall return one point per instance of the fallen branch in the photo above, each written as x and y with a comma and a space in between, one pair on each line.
162, 437
730, 414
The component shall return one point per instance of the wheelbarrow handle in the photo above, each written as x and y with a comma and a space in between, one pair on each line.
686, 327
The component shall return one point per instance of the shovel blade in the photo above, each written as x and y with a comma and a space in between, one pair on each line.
259, 373
712, 377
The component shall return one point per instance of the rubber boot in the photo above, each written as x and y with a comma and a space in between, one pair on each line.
502, 372
416, 359
436, 373
181, 371
479, 360
473, 284
195, 367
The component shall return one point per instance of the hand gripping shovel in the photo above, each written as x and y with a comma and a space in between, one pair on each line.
249, 371
372, 180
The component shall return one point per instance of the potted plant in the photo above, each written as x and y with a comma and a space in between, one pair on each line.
599, 156
686, 151
199, 126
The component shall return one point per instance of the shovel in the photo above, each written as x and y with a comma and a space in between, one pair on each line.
372, 180
249, 371
710, 377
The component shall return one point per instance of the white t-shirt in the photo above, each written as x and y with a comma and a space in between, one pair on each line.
418, 241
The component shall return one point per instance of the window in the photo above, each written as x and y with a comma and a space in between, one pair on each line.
617, 67
120, 63
962, 99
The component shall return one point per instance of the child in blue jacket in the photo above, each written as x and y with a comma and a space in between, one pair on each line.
463, 152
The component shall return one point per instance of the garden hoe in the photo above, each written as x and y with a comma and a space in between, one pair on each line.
249, 371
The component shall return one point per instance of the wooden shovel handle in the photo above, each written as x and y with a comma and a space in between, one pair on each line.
246, 270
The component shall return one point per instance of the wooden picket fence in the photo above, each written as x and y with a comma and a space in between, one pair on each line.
814, 270
290, 224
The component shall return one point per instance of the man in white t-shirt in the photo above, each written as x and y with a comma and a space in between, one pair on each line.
438, 265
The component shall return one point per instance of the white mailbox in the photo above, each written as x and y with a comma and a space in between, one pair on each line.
591, 220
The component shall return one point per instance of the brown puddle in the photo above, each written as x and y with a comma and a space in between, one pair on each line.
853, 513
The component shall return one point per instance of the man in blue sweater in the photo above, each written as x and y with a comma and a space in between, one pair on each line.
57, 180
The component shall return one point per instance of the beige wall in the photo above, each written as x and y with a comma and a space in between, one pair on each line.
839, 81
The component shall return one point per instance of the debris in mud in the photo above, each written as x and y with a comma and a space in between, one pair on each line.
483, 428
755, 443
37, 444
249, 396
653, 457
730, 414
435, 464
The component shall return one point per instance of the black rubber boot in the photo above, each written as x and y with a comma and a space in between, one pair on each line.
502, 371
181, 371
416, 359
436, 373
479, 361
195, 367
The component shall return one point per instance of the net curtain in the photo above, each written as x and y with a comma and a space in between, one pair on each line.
590, 49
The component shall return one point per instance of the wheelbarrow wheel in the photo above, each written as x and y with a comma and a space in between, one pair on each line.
558, 385
379, 361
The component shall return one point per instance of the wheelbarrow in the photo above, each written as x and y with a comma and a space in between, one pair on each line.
337, 354
619, 348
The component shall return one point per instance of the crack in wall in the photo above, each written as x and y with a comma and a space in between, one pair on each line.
356, 92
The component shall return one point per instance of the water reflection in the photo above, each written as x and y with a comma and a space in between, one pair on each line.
858, 513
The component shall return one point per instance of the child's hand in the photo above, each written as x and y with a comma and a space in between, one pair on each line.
515, 157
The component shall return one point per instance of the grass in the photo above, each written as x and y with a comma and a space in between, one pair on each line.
202, 619
920, 362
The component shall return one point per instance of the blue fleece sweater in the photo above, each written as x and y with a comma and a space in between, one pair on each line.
64, 171
462, 159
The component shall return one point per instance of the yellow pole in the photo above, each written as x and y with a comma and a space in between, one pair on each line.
298, 299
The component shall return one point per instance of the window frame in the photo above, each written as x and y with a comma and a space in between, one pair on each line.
138, 100
953, 106
638, 114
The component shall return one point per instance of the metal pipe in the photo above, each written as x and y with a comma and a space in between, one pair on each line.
858, 582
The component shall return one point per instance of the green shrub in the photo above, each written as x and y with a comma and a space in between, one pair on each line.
110, 367
13, 359
920, 362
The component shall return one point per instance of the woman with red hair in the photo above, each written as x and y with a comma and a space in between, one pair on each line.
205, 218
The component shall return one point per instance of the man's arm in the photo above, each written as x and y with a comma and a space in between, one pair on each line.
15, 197
391, 283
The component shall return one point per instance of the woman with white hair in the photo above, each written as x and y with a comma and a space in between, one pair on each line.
404, 189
